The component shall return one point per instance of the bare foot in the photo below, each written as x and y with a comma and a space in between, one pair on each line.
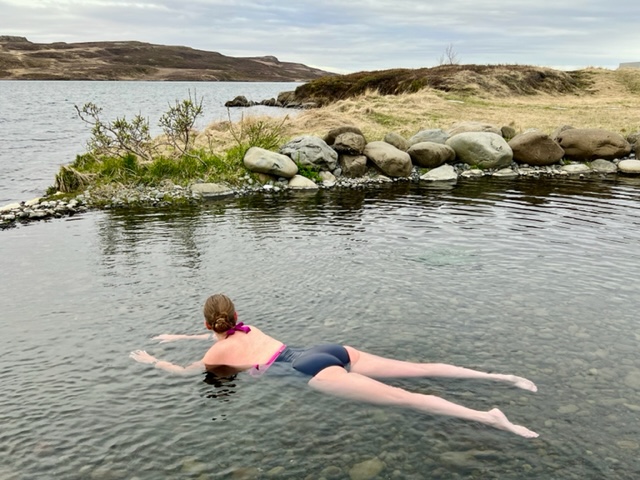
500, 421
520, 382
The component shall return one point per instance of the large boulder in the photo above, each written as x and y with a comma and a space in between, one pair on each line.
482, 149
535, 148
585, 144
435, 135
330, 137
397, 141
353, 165
464, 127
430, 154
391, 161
350, 143
310, 151
259, 160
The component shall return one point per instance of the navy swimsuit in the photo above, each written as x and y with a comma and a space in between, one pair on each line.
312, 360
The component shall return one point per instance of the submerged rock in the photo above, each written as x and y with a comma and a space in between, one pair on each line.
367, 470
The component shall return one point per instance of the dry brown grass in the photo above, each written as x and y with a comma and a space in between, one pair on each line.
611, 101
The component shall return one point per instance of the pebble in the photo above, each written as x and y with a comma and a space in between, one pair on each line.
567, 409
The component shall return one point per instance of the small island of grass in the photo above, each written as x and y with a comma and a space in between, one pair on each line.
388, 107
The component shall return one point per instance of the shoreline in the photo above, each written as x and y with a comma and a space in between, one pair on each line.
169, 195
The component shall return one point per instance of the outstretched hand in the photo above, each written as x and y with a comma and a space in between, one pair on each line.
142, 357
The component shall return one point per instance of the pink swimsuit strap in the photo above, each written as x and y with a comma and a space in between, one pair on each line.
274, 356
239, 327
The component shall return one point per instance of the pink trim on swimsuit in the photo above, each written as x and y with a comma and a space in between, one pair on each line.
258, 369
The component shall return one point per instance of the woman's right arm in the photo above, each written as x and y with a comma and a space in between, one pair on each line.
143, 357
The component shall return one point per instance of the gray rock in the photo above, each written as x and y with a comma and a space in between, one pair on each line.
508, 132
239, 101
430, 154
482, 149
259, 160
391, 161
465, 127
436, 135
603, 166
286, 98
505, 173
302, 183
444, 173
633, 138
535, 148
311, 151
332, 473
353, 165
575, 168
349, 143
556, 133
330, 137
207, 190
585, 144
366, 470
474, 172
631, 167
397, 141
9, 207
328, 179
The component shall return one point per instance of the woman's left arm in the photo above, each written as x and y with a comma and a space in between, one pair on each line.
168, 337
143, 357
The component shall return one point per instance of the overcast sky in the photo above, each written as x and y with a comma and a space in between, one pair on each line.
350, 35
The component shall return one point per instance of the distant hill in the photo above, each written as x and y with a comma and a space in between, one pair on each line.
21, 59
478, 80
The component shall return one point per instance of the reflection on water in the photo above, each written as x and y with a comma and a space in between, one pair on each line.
536, 278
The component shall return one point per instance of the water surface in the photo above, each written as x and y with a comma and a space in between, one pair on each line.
527, 277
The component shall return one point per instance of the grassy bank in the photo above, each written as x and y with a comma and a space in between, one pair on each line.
600, 99
404, 102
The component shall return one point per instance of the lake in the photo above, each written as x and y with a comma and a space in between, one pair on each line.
40, 128
537, 278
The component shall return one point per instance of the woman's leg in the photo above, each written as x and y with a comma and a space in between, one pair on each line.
337, 381
379, 367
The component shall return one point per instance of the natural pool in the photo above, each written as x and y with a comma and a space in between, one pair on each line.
535, 278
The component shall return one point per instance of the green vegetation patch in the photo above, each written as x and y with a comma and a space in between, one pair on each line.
122, 152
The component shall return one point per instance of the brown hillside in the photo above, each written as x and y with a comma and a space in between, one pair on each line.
21, 59
477, 80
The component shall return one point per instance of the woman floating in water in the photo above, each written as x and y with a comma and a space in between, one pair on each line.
334, 369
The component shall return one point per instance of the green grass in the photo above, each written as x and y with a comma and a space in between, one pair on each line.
88, 169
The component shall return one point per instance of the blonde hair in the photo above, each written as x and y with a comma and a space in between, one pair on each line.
219, 313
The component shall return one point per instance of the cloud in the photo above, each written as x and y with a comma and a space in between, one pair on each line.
349, 36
